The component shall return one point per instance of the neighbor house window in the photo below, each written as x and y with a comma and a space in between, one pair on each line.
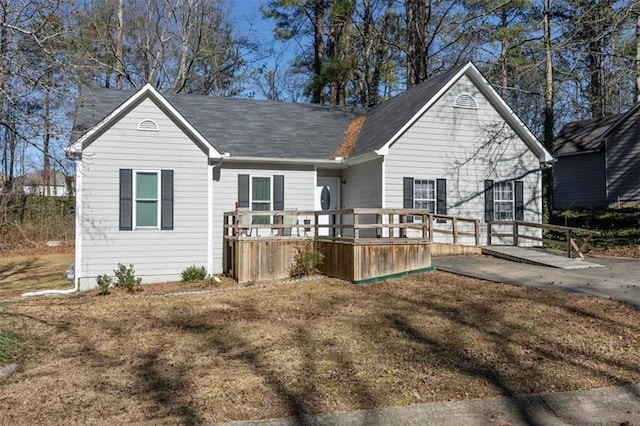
424, 194
503, 201
147, 197
261, 197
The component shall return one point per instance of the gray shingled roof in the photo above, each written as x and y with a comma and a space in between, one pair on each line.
242, 127
583, 136
256, 128
384, 120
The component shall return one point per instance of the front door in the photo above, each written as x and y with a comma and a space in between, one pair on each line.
327, 198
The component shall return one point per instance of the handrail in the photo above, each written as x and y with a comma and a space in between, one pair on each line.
573, 245
356, 224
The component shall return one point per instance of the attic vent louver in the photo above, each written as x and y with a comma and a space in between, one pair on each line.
465, 101
148, 125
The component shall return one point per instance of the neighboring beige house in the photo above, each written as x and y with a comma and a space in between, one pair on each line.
154, 172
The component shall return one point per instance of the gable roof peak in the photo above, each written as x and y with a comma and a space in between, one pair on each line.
147, 91
386, 122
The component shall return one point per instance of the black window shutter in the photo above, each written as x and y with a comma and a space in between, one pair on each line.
488, 200
441, 196
408, 196
519, 198
408, 193
243, 191
166, 200
126, 199
278, 192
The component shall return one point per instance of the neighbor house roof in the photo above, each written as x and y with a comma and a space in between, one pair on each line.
580, 137
241, 127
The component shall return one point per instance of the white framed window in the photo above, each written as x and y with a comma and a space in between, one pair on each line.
146, 206
261, 198
424, 194
503, 201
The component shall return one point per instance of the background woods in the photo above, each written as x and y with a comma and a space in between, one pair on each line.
552, 60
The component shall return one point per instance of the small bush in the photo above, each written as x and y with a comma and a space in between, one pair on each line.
306, 260
104, 282
193, 273
126, 278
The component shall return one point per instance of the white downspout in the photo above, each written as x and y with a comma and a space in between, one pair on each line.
78, 244
210, 168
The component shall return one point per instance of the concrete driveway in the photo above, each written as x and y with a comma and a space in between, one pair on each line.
619, 279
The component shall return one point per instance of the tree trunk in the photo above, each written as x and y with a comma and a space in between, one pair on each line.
318, 51
46, 168
120, 46
416, 15
504, 56
547, 177
637, 57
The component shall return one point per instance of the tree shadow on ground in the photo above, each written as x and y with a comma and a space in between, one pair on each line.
506, 369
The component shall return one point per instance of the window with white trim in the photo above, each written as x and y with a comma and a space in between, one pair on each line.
261, 197
424, 194
503, 201
147, 196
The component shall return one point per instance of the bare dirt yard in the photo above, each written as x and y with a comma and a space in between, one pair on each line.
282, 349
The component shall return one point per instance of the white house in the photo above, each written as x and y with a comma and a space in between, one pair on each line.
154, 173
36, 183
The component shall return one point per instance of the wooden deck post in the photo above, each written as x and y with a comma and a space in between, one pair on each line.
454, 223
488, 233
476, 229
515, 233
356, 229
379, 228
569, 248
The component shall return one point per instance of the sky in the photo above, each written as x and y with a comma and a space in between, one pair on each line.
246, 14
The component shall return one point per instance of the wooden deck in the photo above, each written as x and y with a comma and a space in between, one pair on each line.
365, 245
359, 245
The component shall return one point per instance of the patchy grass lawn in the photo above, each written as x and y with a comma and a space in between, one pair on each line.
309, 347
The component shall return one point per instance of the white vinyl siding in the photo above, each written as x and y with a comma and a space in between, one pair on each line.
465, 147
299, 185
157, 255
362, 185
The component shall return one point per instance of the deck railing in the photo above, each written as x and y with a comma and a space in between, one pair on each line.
574, 240
357, 224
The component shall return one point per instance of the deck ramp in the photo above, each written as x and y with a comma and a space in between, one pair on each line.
537, 257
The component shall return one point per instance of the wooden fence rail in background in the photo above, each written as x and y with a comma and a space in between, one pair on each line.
574, 241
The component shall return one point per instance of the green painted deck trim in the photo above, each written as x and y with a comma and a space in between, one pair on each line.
399, 274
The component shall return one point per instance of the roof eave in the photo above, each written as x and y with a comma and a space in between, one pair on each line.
337, 163
611, 128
